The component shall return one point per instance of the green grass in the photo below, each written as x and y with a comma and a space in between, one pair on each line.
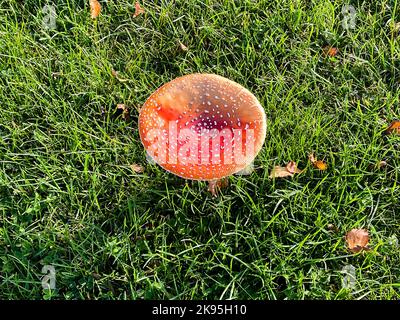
68, 197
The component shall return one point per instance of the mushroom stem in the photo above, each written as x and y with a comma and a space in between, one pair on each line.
212, 187
216, 185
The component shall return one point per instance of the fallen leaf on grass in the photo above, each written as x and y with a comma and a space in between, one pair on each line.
215, 185
123, 109
138, 9
394, 127
318, 164
137, 168
183, 47
282, 172
395, 27
357, 240
332, 227
292, 167
96, 276
95, 8
381, 164
115, 74
330, 51
56, 75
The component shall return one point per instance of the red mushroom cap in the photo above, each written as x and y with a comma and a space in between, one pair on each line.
202, 126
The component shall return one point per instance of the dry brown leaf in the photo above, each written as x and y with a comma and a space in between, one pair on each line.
357, 240
395, 27
183, 47
330, 51
115, 74
96, 276
56, 75
394, 127
137, 168
381, 164
292, 167
321, 165
312, 158
125, 111
282, 172
332, 227
95, 8
318, 164
216, 185
138, 9
378, 165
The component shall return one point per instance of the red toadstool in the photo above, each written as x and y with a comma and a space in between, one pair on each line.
202, 127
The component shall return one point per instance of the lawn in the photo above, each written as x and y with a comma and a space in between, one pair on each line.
69, 198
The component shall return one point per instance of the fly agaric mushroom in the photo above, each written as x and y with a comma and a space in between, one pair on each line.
202, 127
